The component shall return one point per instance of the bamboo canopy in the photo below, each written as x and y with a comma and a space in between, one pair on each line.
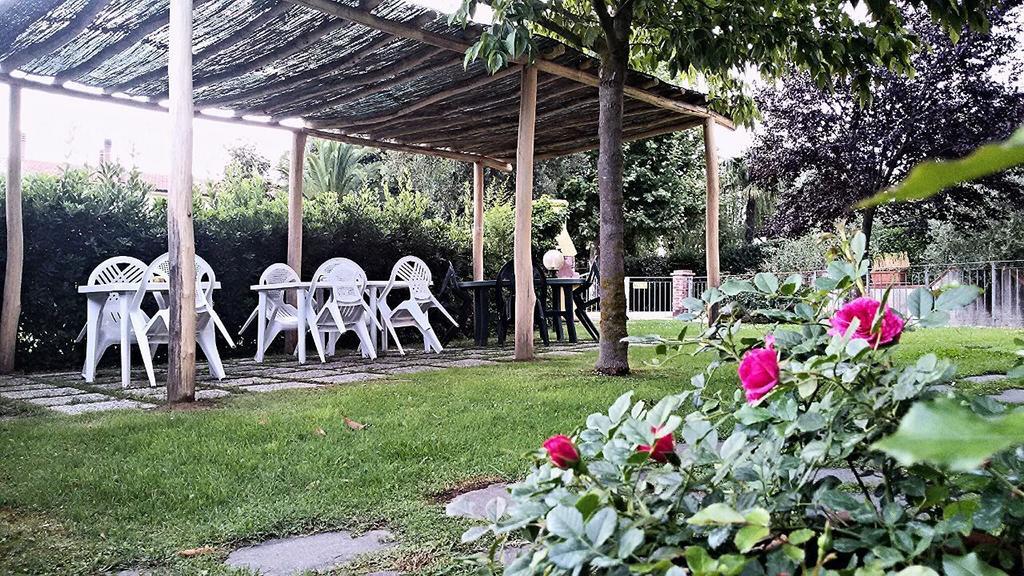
382, 73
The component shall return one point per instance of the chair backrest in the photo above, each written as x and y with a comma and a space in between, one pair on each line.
323, 271
348, 282
159, 271
118, 270
415, 272
278, 274
450, 284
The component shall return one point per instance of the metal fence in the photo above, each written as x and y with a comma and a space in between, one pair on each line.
1001, 303
1002, 282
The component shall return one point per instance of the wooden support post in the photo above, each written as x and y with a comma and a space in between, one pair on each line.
181, 365
711, 214
525, 297
295, 175
478, 221
15, 237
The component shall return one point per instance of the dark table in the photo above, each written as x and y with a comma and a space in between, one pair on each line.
481, 307
561, 291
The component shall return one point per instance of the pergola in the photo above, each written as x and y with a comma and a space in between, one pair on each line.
379, 73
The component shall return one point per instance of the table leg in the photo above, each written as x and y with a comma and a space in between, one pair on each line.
301, 339
126, 349
556, 307
93, 308
375, 311
480, 316
570, 314
261, 326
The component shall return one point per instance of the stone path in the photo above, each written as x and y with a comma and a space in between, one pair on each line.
313, 553
66, 392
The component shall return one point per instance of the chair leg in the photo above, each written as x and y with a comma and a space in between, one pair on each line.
144, 348
394, 335
207, 339
542, 324
365, 341
272, 331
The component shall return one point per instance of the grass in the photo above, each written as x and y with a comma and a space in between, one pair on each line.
110, 491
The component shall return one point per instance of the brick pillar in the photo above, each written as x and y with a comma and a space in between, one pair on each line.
682, 288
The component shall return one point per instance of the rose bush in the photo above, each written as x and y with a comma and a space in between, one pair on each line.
830, 458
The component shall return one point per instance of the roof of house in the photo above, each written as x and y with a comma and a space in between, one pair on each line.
378, 72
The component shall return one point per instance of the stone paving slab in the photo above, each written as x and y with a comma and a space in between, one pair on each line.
985, 378
351, 377
307, 374
40, 393
8, 383
467, 363
1014, 396
160, 393
279, 386
241, 382
314, 553
25, 387
473, 504
411, 369
101, 406
69, 400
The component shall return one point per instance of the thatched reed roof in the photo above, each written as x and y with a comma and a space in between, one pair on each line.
377, 72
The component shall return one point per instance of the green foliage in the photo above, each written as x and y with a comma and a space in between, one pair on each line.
753, 492
929, 178
710, 41
75, 221
337, 168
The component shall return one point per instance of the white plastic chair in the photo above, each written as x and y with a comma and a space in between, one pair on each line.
116, 270
279, 315
345, 307
151, 332
412, 312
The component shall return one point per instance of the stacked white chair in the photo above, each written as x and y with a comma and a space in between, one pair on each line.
116, 270
413, 311
150, 332
344, 309
280, 316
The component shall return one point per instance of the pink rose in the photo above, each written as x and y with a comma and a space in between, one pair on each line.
759, 373
864, 310
769, 341
663, 447
562, 451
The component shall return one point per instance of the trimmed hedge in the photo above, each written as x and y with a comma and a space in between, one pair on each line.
75, 221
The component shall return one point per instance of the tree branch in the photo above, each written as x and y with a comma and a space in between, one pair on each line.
607, 22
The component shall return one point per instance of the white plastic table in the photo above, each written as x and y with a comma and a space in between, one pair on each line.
95, 297
373, 289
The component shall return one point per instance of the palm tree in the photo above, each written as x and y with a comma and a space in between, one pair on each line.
338, 168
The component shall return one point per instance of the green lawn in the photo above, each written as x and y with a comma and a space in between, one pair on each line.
111, 491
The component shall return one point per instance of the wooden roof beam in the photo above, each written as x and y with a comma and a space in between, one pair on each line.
299, 44
420, 104
212, 50
287, 83
585, 145
413, 149
58, 40
543, 65
395, 73
136, 35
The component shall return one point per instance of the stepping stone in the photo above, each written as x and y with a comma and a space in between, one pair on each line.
467, 363
24, 387
8, 383
351, 377
1014, 396
558, 354
985, 378
308, 374
160, 393
245, 382
69, 400
314, 553
40, 393
412, 369
473, 504
101, 406
279, 386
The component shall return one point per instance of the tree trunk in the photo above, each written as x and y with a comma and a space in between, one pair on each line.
866, 226
613, 358
750, 218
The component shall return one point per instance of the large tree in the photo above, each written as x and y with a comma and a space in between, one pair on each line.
823, 152
715, 42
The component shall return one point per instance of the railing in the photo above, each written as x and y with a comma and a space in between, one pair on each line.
1002, 282
646, 296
